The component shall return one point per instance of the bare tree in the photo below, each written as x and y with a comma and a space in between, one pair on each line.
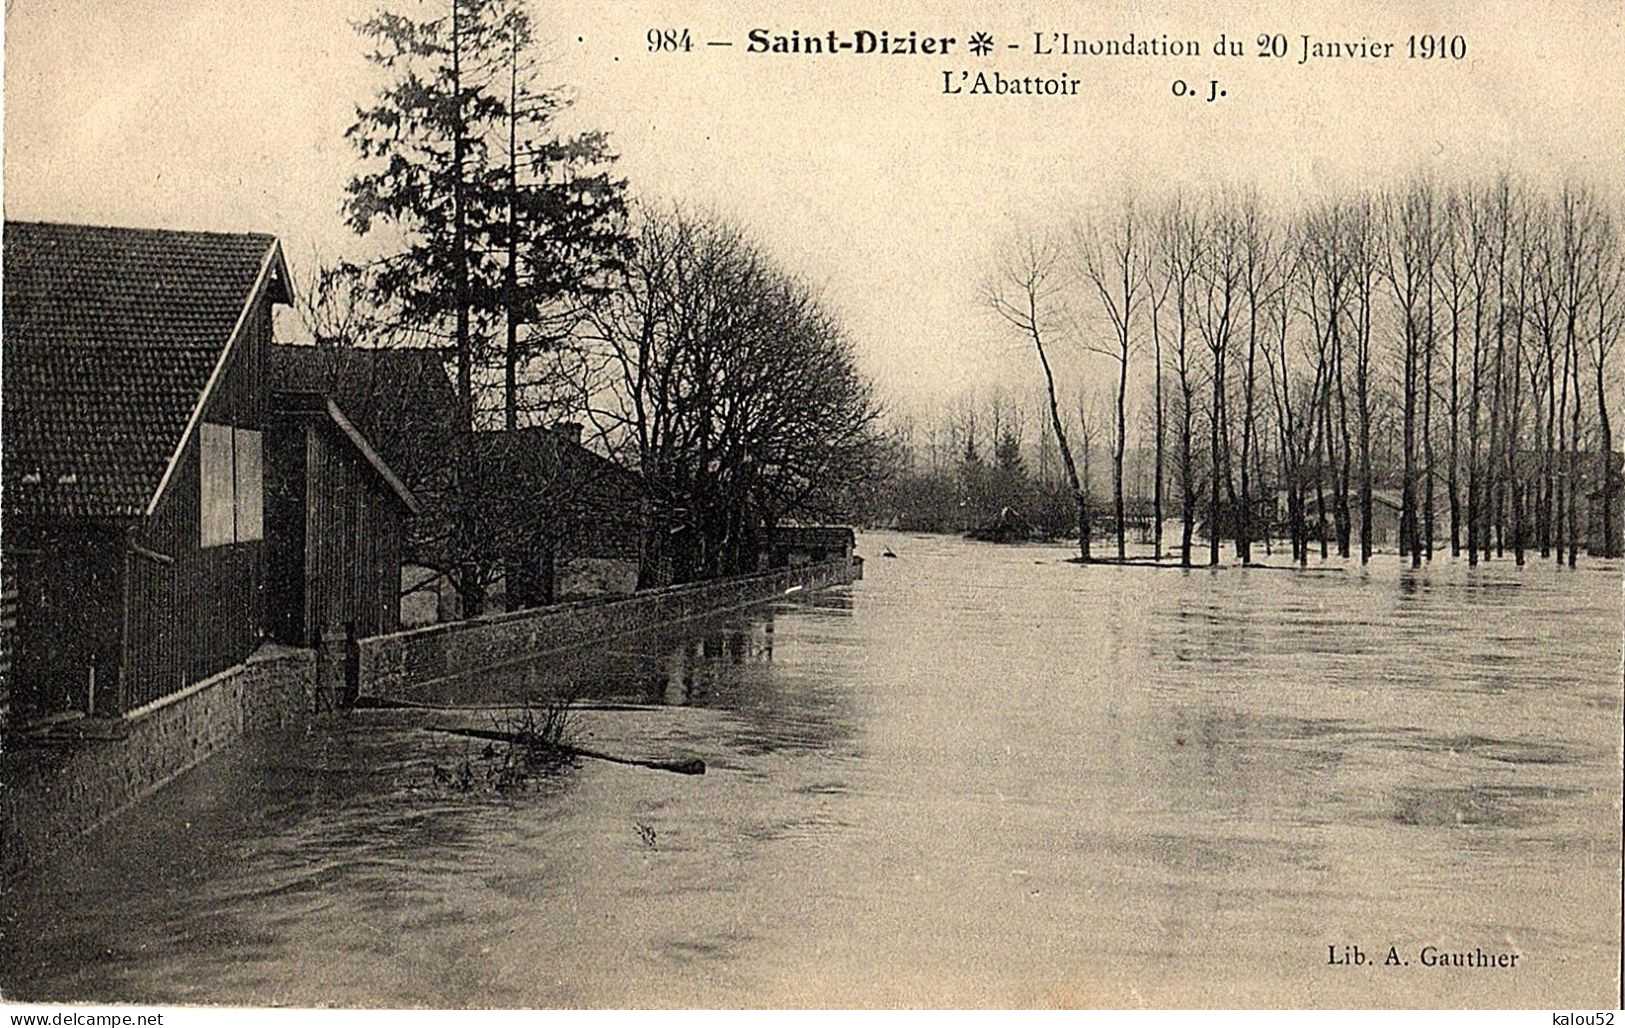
1513, 211
1581, 221
1322, 276
1459, 255
1179, 254
1409, 270
1157, 290
1090, 419
1472, 245
1219, 277
1024, 290
1363, 242
1261, 256
1607, 274
1114, 263
1544, 315
732, 391
1293, 434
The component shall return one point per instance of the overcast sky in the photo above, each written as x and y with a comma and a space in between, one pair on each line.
857, 172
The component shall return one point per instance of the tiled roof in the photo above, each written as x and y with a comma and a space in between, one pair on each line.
399, 397
402, 400
555, 449
110, 338
594, 501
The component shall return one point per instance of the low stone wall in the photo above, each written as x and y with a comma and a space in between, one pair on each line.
61, 784
595, 577
390, 664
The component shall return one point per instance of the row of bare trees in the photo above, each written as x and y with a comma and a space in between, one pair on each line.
1445, 344
731, 388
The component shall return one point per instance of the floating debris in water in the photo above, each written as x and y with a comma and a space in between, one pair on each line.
647, 833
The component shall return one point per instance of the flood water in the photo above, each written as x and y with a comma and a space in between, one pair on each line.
981, 776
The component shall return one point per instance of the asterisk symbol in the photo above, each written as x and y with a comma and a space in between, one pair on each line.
981, 44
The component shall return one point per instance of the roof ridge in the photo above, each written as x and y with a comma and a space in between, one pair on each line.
312, 345
137, 229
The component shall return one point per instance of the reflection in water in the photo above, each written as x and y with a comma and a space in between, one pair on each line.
981, 776
1507, 806
693, 664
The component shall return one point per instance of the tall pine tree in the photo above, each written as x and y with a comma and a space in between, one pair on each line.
502, 221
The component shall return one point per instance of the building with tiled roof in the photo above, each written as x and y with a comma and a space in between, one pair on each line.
135, 398
401, 398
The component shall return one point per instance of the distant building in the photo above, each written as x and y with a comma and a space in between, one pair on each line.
1009, 526
1386, 507
796, 545
1604, 538
135, 409
604, 550
1589, 499
579, 516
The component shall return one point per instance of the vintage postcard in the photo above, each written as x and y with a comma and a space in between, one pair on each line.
549, 504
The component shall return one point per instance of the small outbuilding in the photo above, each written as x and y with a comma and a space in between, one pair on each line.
402, 401
335, 516
795, 545
165, 515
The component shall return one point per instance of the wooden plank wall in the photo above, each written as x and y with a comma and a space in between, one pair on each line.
285, 447
69, 610
353, 540
204, 610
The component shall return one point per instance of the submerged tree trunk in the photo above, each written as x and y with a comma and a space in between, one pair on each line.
1187, 476
1344, 515
1118, 447
1453, 485
1574, 450
1244, 509
1408, 526
1495, 465
1605, 451
1156, 485
1428, 476
1474, 401
1514, 490
1323, 470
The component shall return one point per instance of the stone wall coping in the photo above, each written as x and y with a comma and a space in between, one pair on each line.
267, 653
641, 596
